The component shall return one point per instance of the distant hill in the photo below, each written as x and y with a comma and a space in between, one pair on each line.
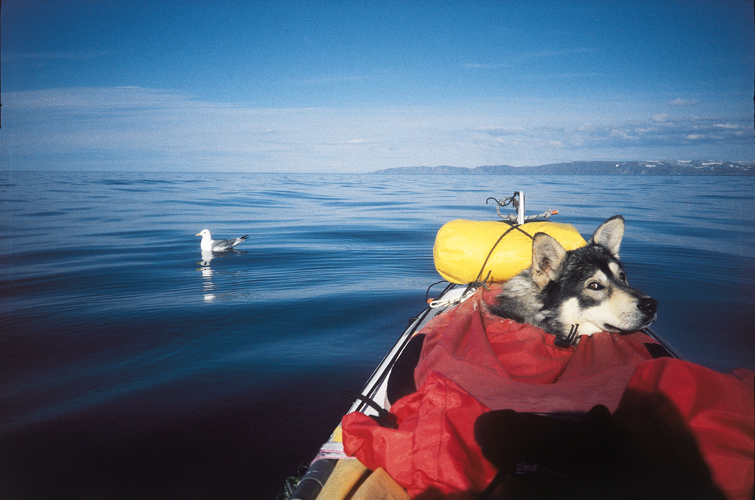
697, 167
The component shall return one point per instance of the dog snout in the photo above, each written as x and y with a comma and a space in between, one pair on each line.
648, 306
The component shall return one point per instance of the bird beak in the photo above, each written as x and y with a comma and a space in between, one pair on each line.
198, 234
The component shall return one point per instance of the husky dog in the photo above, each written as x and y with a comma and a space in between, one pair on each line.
580, 292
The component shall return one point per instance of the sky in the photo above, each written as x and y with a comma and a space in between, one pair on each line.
352, 86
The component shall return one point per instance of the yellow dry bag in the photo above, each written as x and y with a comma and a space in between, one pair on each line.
462, 246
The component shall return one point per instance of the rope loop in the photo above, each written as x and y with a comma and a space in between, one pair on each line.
509, 200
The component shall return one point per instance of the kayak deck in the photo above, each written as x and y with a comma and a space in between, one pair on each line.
374, 394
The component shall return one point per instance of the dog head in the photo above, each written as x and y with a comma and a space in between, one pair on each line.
588, 286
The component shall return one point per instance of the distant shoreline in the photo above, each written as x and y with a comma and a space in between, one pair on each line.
697, 167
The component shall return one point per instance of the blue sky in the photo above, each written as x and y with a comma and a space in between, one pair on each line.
354, 86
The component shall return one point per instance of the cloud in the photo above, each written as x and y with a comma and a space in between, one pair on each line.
683, 102
730, 126
141, 128
657, 132
499, 131
328, 80
486, 65
50, 56
355, 142
543, 54
135, 128
518, 59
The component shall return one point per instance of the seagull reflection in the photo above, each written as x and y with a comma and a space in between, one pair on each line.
208, 286
207, 257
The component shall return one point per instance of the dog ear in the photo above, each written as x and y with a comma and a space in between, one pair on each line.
547, 256
609, 234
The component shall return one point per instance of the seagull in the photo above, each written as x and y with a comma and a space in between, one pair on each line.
210, 245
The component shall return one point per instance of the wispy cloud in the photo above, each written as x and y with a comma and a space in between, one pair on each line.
139, 128
657, 132
730, 126
551, 53
569, 75
486, 66
52, 56
134, 127
328, 80
683, 102
671, 132
354, 142
501, 131
513, 60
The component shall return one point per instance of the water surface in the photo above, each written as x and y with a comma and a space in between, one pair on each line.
132, 366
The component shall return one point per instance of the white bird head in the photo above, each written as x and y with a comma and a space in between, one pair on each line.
204, 233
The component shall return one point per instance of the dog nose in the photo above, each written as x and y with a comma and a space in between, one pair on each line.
648, 305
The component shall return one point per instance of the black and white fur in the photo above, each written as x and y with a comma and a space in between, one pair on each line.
585, 287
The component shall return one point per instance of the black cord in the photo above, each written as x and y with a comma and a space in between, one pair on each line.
513, 226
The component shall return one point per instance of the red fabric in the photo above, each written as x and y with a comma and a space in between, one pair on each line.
499, 364
720, 411
433, 452
505, 364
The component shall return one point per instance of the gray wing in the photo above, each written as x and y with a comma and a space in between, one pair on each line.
224, 245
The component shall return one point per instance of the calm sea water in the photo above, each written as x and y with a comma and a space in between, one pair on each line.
131, 368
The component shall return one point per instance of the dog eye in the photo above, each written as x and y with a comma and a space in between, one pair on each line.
622, 276
594, 285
